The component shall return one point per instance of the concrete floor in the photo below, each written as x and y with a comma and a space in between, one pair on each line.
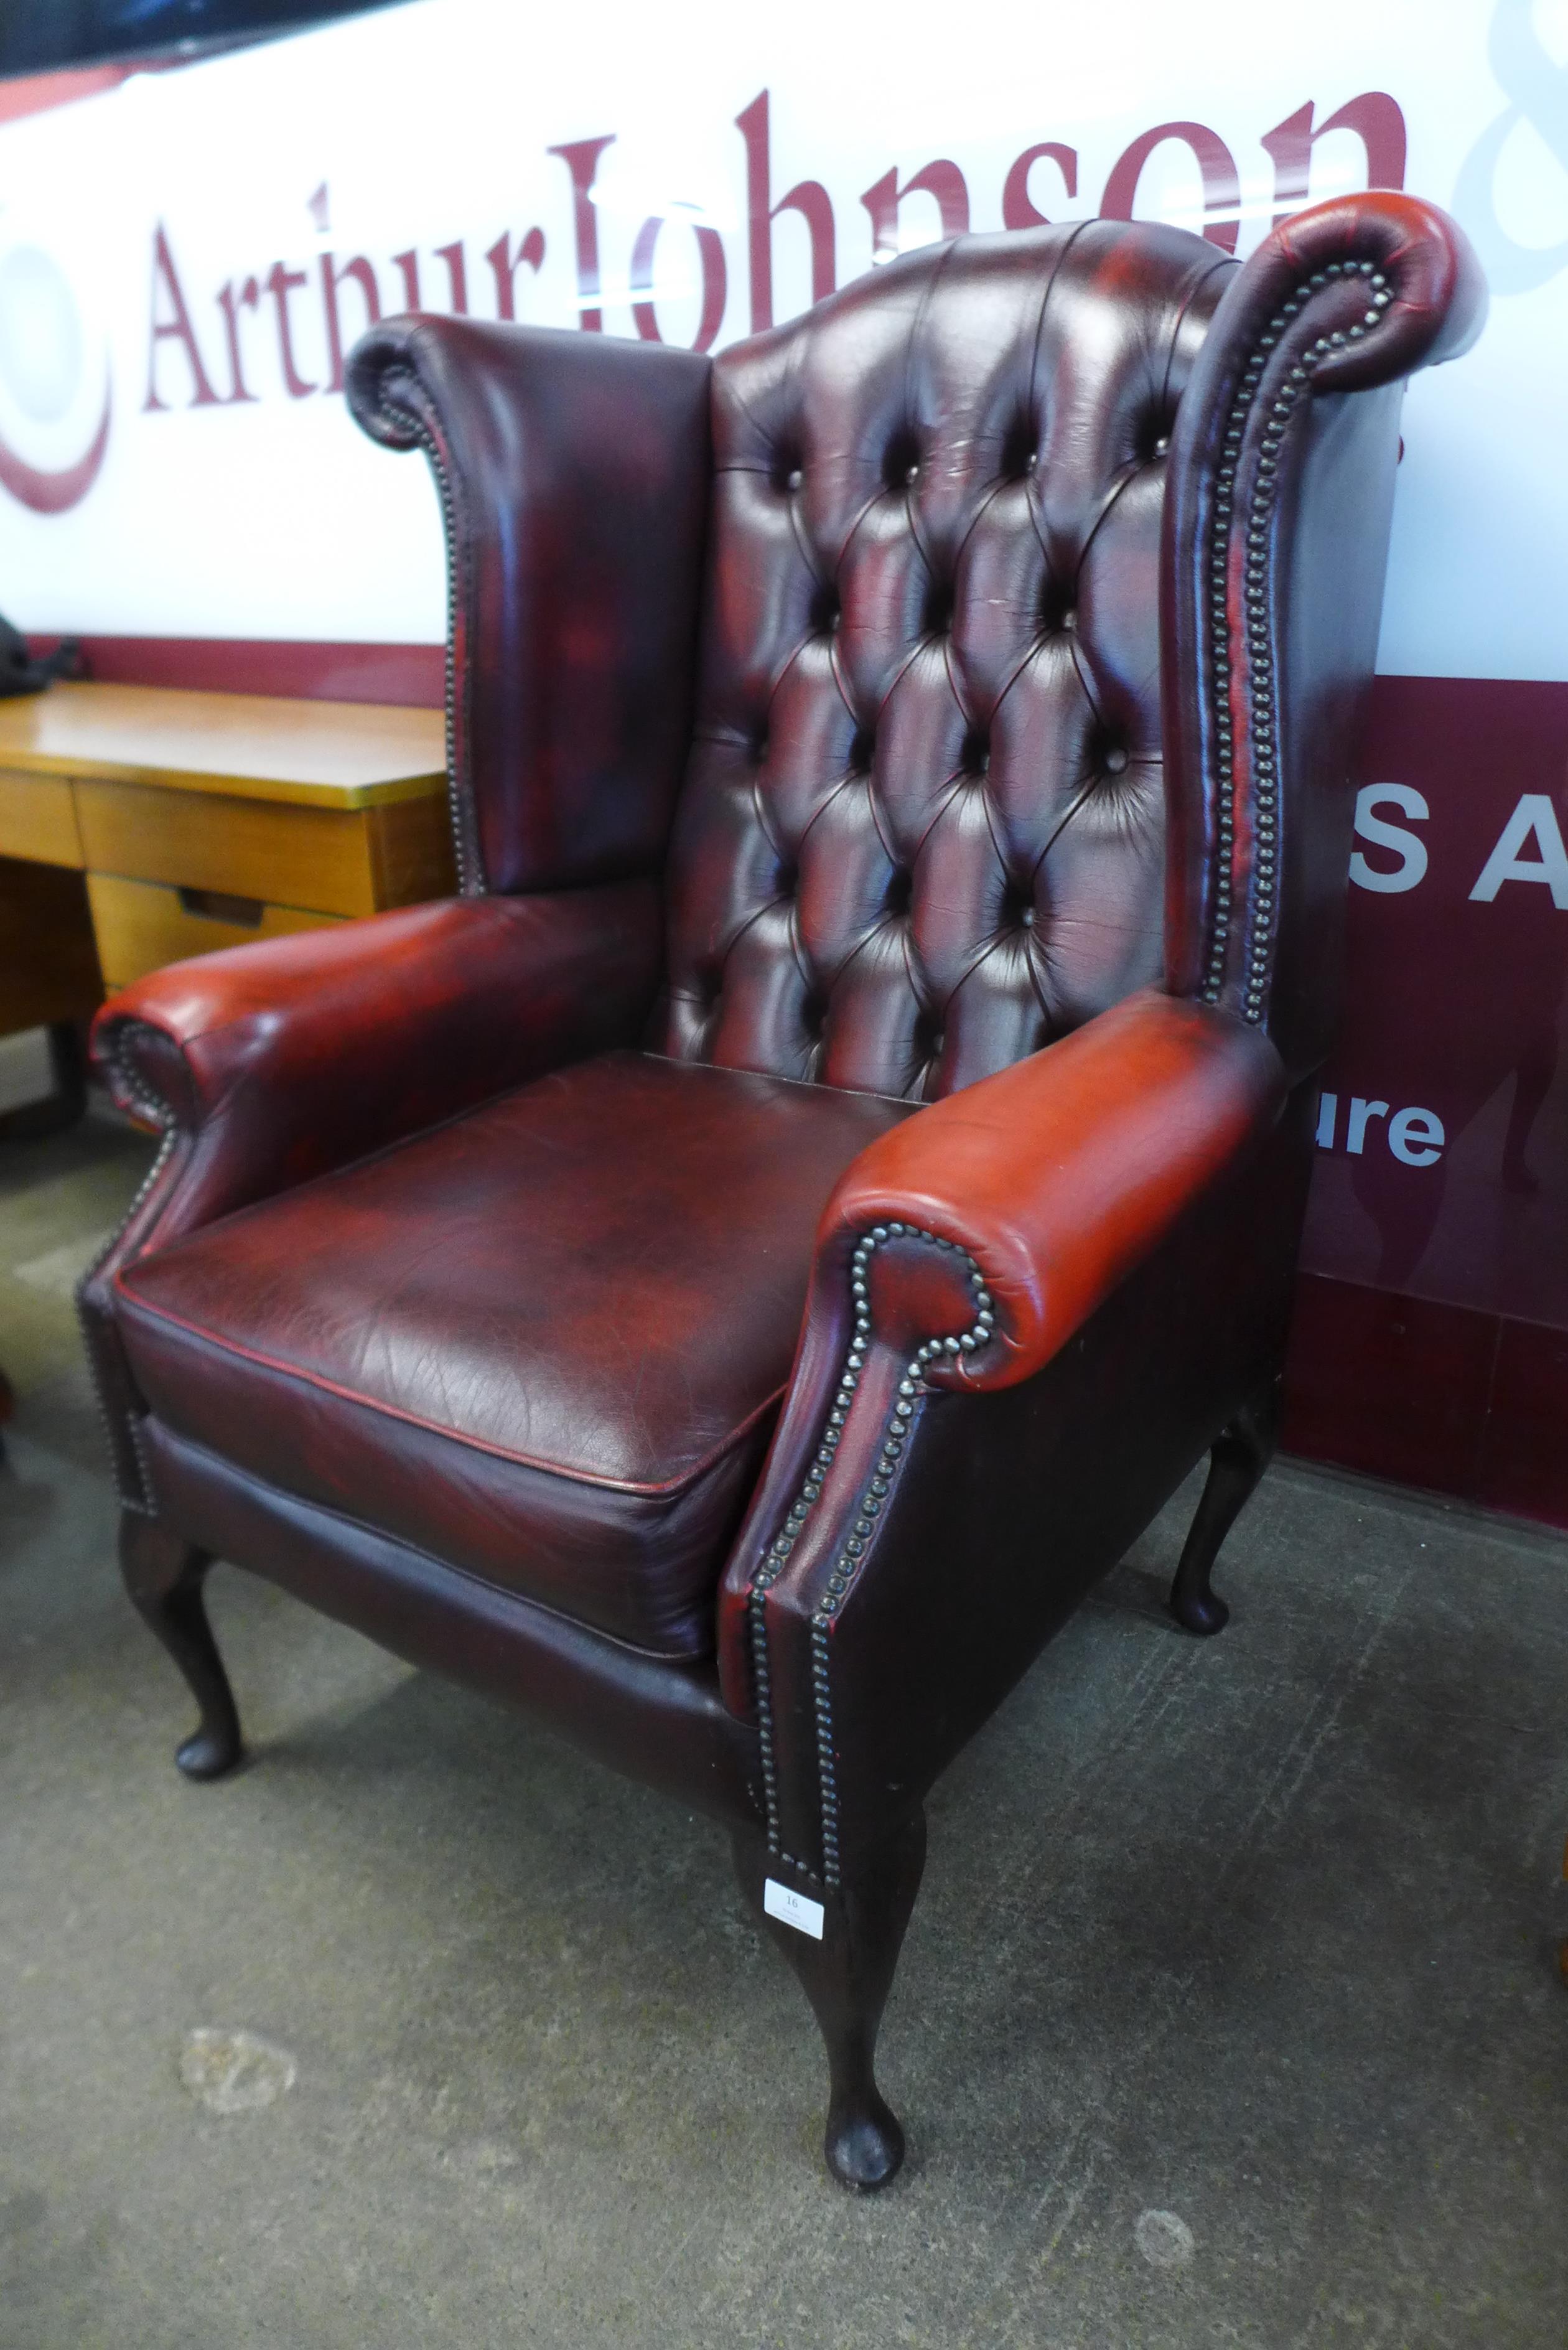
1231, 2014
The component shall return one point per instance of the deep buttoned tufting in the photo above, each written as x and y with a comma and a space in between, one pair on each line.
922, 827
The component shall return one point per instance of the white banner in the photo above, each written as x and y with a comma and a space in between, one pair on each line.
184, 259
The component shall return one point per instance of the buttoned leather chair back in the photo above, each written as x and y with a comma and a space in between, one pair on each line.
922, 827
947, 631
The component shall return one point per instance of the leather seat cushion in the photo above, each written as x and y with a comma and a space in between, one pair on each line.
545, 1342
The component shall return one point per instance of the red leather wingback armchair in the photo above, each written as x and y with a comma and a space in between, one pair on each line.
732, 1278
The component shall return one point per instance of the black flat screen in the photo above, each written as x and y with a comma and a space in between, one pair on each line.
43, 35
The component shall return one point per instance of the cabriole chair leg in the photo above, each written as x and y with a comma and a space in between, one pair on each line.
846, 1976
1237, 1458
164, 1574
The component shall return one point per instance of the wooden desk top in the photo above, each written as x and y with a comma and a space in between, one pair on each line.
336, 754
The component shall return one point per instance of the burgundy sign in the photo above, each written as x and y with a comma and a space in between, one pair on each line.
1432, 1337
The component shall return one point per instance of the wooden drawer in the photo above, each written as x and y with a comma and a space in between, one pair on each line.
37, 819
141, 925
318, 858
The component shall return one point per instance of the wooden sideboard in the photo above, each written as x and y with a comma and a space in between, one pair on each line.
153, 824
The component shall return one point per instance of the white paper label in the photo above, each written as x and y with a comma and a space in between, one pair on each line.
781, 1901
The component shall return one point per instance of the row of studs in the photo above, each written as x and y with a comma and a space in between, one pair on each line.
872, 1504
1265, 769
157, 1114
469, 869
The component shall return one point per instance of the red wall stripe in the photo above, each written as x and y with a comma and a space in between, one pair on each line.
412, 675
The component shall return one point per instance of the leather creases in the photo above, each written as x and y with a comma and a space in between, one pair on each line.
922, 826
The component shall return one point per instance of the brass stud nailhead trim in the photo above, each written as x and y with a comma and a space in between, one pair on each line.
464, 816
1257, 953
157, 1114
873, 1501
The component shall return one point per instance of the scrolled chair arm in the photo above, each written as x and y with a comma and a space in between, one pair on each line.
265, 1065
961, 1251
279, 1061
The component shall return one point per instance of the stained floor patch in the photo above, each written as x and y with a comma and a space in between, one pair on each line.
1164, 2241
234, 2071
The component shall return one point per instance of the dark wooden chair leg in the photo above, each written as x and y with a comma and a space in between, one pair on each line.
164, 1574
847, 1975
1237, 1458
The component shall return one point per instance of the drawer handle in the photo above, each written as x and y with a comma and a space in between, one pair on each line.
216, 905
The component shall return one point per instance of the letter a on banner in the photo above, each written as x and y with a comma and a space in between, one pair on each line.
176, 328
1534, 816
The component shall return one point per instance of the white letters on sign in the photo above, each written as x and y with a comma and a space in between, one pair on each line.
1534, 824
793, 1908
1410, 848
1535, 818
1415, 1136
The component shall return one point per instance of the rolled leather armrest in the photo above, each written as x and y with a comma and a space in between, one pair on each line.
278, 1061
1057, 1175
964, 1250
